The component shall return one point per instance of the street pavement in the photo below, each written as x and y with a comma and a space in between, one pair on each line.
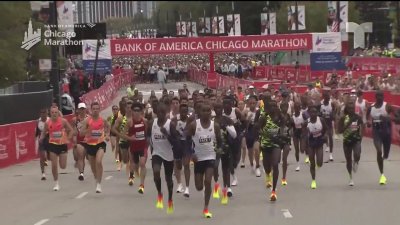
25, 199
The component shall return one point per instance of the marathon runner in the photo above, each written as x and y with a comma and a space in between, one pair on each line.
113, 138
327, 110
43, 145
79, 148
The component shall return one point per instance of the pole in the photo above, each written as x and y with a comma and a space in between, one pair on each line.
269, 22
205, 24
190, 25
297, 25
54, 75
217, 20
233, 18
95, 77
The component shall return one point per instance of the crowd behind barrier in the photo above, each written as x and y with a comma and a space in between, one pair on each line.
219, 82
17, 141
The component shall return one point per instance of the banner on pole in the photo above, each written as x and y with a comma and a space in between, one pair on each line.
298, 19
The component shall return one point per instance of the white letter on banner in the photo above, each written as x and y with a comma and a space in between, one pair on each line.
296, 42
245, 44
255, 44
289, 43
303, 42
147, 47
153, 46
208, 43
162, 47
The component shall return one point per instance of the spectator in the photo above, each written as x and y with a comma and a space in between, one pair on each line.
67, 104
161, 77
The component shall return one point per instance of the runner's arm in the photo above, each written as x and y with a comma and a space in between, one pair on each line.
68, 126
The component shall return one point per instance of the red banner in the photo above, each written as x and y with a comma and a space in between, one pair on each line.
211, 44
375, 63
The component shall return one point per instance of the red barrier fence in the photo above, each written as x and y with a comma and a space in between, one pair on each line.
375, 63
17, 141
222, 82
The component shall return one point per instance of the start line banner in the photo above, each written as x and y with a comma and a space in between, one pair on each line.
211, 44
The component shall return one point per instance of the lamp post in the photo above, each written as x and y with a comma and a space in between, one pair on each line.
98, 45
54, 75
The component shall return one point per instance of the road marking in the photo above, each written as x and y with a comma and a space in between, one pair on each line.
109, 177
81, 195
286, 213
43, 221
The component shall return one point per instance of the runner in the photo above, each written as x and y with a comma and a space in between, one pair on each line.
379, 113
238, 120
185, 143
96, 131
250, 135
43, 145
228, 134
361, 107
299, 133
79, 148
163, 137
120, 127
351, 126
60, 132
305, 103
286, 134
327, 110
205, 134
316, 129
138, 146
268, 129
113, 138
243, 147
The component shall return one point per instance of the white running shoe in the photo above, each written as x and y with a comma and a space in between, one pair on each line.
235, 181
355, 167
351, 183
258, 172
298, 168
330, 157
186, 194
229, 192
98, 188
43, 176
327, 149
180, 189
242, 165
56, 187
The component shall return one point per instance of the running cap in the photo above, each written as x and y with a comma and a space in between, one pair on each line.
82, 105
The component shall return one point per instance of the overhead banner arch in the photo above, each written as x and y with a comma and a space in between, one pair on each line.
254, 43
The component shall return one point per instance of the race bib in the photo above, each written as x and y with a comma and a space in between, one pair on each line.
316, 134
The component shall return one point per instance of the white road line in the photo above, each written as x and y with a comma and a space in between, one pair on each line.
81, 195
286, 213
43, 221
109, 177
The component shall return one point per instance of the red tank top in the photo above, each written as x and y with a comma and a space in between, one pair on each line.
57, 134
96, 134
138, 129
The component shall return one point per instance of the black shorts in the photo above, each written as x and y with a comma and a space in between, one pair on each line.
185, 150
250, 138
92, 149
202, 166
57, 149
124, 145
136, 155
44, 145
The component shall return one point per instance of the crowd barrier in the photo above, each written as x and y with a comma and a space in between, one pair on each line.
17, 141
304, 74
218, 82
375, 63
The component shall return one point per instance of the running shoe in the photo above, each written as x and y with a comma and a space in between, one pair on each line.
235, 181
229, 192
307, 160
258, 172
268, 180
216, 191
141, 189
98, 188
382, 180
186, 194
180, 189
119, 165
336, 137
81, 177
46, 163
298, 167
273, 196
327, 149
351, 183
130, 181
224, 200
43, 176
284, 182
313, 184
207, 214
355, 167
160, 204
170, 208
242, 165
56, 187
331, 157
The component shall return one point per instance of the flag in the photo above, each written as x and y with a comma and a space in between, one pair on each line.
237, 25
202, 25
183, 28
229, 25
194, 29
178, 29
332, 23
268, 25
208, 25
298, 19
214, 26
221, 26
344, 13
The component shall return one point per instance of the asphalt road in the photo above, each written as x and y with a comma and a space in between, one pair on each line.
25, 199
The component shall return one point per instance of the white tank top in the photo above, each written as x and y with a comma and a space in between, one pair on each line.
161, 145
180, 126
251, 116
204, 139
361, 109
376, 113
41, 124
315, 129
298, 121
326, 110
171, 116
232, 115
